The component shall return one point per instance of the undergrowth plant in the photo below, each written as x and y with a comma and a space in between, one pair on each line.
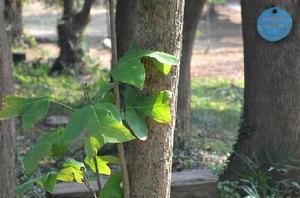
261, 181
97, 123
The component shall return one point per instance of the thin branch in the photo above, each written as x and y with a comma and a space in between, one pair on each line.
98, 175
89, 187
121, 151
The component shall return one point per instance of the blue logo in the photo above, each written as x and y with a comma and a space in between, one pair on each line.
274, 24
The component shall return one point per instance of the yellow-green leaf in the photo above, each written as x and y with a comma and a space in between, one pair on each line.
102, 165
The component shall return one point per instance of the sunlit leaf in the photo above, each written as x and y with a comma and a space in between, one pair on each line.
72, 171
70, 174
102, 165
160, 107
74, 164
91, 146
156, 106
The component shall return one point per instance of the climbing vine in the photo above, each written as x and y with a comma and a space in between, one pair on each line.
99, 120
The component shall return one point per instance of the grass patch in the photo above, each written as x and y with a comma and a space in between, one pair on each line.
216, 109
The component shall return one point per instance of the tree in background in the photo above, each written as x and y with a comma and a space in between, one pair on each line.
13, 17
192, 14
70, 31
271, 118
158, 27
7, 130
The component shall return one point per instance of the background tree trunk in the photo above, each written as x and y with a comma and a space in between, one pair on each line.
70, 32
125, 24
192, 14
270, 127
13, 17
159, 27
7, 133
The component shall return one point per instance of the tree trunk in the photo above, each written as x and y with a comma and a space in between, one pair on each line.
159, 27
13, 18
192, 14
212, 10
125, 24
270, 127
7, 133
70, 32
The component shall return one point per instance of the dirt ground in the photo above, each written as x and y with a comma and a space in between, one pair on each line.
218, 50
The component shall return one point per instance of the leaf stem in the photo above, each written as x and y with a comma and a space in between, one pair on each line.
97, 174
121, 151
62, 104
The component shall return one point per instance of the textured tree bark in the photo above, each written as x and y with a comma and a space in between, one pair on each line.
159, 27
13, 17
270, 127
192, 14
70, 32
125, 24
7, 132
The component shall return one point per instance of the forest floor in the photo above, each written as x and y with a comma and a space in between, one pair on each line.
217, 84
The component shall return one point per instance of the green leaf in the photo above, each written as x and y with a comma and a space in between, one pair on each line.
40, 150
23, 188
104, 88
32, 109
162, 57
48, 182
35, 113
166, 60
91, 146
160, 107
104, 126
110, 159
110, 108
59, 148
113, 188
72, 171
14, 106
70, 174
102, 120
130, 70
74, 164
137, 123
102, 165
77, 123
156, 106
164, 68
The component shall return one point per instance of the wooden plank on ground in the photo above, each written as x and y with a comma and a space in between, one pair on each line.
185, 184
